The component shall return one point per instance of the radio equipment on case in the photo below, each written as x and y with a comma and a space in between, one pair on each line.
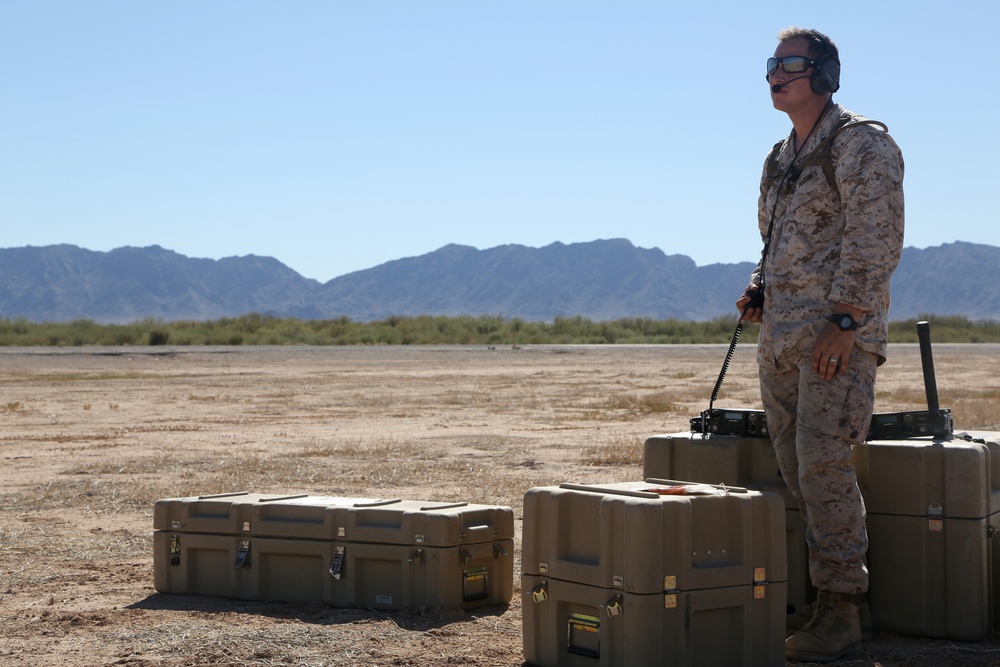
730, 421
722, 421
914, 424
900, 425
933, 421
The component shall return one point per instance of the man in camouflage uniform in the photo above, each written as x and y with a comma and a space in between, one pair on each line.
831, 216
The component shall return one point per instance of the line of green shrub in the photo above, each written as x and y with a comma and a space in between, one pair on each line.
257, 329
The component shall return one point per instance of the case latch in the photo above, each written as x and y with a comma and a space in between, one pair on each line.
243, 555
337, 566
935, 518
175, 550
613, 607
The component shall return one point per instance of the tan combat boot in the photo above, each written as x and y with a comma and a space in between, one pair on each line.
798, 619
833, 633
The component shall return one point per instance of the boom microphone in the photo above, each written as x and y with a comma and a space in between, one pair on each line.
778, 86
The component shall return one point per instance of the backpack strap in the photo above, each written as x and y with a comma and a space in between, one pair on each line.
822, 155
771, 168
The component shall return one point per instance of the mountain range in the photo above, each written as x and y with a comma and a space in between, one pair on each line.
600, 280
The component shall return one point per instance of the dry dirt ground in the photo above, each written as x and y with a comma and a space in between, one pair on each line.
91, 438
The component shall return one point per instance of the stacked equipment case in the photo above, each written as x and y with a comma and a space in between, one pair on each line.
733, 460
347, 552
640, 573
933, 511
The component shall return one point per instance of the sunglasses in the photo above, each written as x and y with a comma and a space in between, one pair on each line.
791, 64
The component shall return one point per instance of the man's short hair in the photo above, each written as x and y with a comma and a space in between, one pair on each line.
820, 45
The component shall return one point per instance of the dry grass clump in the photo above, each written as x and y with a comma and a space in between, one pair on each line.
615, 448
978, 410
643, 404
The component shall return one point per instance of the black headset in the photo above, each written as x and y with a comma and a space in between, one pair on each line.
826, 76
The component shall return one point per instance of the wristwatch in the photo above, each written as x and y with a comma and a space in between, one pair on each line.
845, 321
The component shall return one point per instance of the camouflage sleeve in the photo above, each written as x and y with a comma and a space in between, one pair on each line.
870, 179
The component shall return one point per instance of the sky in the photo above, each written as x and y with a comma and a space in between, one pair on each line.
336, 136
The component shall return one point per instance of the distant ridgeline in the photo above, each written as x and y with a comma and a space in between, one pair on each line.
603, 280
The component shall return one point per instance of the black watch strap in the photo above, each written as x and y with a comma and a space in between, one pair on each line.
845, 321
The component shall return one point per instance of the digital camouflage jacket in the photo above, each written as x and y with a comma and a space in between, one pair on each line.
828, 244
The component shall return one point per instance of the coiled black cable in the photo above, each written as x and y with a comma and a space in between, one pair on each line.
725, 364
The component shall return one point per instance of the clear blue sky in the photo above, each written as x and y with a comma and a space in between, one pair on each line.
335, 136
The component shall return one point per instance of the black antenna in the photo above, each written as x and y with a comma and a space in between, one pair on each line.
918, 423
927, 363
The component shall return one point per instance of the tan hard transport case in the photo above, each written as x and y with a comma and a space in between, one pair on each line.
347, 552
933, 512
932, 506
627, 574
747, 462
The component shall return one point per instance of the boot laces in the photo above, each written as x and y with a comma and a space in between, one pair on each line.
824, 607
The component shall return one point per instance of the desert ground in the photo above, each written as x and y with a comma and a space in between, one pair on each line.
92, 437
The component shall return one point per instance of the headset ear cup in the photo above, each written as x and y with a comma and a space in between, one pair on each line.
826, 76
820, 85
832, 70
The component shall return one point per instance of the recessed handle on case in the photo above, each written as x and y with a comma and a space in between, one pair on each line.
475, 584
280, 498
449, 506
583, 635
224, 495
607, 491
378, 503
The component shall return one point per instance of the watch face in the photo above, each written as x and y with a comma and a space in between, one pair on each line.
845, 322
